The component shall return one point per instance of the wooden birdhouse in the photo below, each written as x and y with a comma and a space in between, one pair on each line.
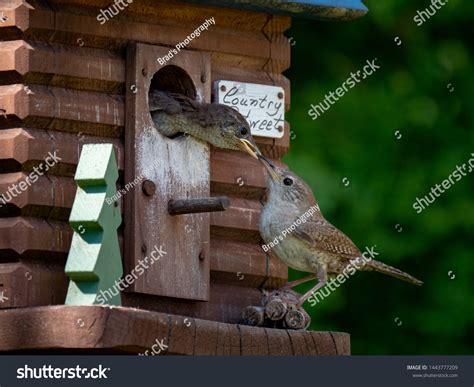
79, 72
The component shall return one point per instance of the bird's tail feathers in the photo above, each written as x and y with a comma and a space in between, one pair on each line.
392, 271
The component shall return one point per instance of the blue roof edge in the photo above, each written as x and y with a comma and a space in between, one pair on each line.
310, 9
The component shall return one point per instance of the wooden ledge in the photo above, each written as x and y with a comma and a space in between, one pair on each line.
105, 329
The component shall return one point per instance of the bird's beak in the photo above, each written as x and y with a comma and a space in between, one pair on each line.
250, 147
270, 167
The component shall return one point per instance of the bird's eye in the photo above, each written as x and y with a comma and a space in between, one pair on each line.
243, 131
287, 181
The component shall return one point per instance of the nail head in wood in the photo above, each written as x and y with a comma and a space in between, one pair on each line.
149, 188
192, 206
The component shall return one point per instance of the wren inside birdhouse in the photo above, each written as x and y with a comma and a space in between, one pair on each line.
81, 72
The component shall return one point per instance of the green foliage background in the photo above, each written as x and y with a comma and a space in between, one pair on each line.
356, 139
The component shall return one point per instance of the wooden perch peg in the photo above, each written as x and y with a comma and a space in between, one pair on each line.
192, 206
253, 316
275, 309
297, 319
280, 310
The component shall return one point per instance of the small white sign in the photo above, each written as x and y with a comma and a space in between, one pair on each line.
263, 106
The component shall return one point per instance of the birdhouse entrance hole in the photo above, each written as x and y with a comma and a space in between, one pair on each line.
169, 171
173, 79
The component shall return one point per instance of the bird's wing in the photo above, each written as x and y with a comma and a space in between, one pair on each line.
168, 103
186, 104
321, 235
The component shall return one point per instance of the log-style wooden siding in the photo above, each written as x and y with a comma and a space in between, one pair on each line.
63, 85
117, 330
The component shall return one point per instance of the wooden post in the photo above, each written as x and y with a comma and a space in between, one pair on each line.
94, 263
165, 164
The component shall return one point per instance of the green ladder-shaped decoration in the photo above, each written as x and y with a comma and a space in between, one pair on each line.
94, 262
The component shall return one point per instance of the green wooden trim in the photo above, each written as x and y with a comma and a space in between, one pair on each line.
94, 262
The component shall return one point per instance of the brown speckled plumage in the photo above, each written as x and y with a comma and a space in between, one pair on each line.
220, 125
314, 246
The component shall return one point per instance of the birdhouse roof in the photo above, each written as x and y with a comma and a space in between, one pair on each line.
310, 9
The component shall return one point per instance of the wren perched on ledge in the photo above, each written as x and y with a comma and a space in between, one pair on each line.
219, 125
314, 246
